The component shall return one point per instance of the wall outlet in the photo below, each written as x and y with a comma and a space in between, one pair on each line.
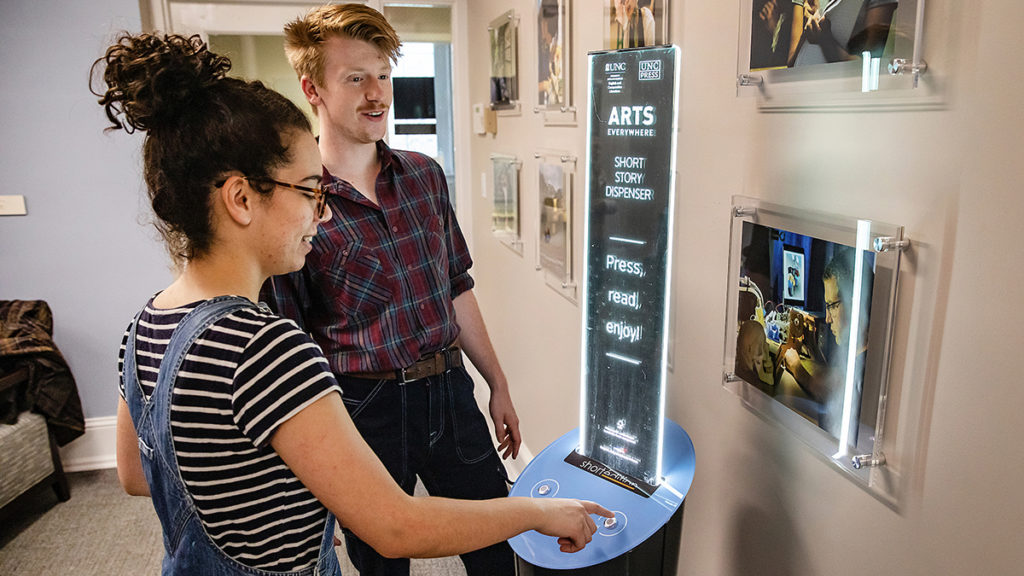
12, 205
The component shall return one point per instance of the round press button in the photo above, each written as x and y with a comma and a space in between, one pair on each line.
545, 488
611, 526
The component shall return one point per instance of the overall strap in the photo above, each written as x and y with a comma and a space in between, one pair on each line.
189, 329
187, 332
134, 396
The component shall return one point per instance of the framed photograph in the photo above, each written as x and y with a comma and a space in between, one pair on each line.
792, 51
504, 40
554, 231
809, 328
554, 70
788, 33
635, 23
505, 221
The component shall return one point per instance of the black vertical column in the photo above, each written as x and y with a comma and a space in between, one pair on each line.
628, 236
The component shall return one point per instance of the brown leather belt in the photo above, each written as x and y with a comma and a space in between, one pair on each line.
439, 363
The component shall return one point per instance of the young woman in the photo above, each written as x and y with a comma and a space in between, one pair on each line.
229, 416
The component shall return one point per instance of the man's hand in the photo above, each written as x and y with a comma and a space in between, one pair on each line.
769, 15
817, 28
506, 423
792, 360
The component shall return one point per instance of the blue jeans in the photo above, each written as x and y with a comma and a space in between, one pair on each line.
187, 548
431, 428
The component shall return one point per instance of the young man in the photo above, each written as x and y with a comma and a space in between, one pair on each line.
386, 291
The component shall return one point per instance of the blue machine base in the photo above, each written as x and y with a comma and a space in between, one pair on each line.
637, 518
656, 556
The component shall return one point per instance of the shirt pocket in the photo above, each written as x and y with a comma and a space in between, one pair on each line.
359, 283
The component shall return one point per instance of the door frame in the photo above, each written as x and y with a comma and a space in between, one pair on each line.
252, 17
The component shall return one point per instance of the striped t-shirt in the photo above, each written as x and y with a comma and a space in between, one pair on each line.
244, 376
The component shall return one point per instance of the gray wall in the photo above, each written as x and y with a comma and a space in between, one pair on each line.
83, 247
761, 502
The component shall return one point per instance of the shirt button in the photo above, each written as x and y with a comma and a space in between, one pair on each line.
394, 228
423, 306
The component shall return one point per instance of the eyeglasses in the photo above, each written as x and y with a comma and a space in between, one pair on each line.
832, 307
319, 194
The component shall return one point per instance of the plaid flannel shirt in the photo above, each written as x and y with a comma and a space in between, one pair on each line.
376, 291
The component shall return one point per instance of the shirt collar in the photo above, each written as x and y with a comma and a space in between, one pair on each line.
343, 188
384, 155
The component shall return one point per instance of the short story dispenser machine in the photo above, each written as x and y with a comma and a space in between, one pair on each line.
625, 455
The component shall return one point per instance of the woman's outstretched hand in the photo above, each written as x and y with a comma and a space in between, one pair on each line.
570, 522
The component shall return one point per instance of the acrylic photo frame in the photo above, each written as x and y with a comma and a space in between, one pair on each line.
818, 368
506, 208
645, 23
868, 55
555, 175
503, 34
554, 63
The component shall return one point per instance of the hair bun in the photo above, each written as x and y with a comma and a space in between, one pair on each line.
153, 81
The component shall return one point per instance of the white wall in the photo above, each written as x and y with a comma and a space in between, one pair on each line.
84, 246
761, 502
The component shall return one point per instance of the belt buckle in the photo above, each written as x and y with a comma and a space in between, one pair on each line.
401, 376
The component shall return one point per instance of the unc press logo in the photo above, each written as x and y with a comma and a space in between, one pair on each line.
650, 69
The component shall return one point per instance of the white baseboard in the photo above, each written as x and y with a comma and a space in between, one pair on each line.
95, 450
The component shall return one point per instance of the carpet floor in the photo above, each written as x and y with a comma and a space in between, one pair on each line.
90, 533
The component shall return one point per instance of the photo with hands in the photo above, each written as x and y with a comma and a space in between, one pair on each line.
791, 33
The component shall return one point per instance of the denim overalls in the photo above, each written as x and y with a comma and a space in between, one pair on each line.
188, 550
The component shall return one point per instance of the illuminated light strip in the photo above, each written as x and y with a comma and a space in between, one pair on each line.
669, 487
865, 73
619, 454
869, 72
863, 238
627, 240
632, 361
666, 312
585, 281
620, 435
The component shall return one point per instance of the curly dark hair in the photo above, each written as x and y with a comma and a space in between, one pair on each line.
199, 124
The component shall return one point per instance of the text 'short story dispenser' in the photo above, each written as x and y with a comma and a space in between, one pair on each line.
625, 455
